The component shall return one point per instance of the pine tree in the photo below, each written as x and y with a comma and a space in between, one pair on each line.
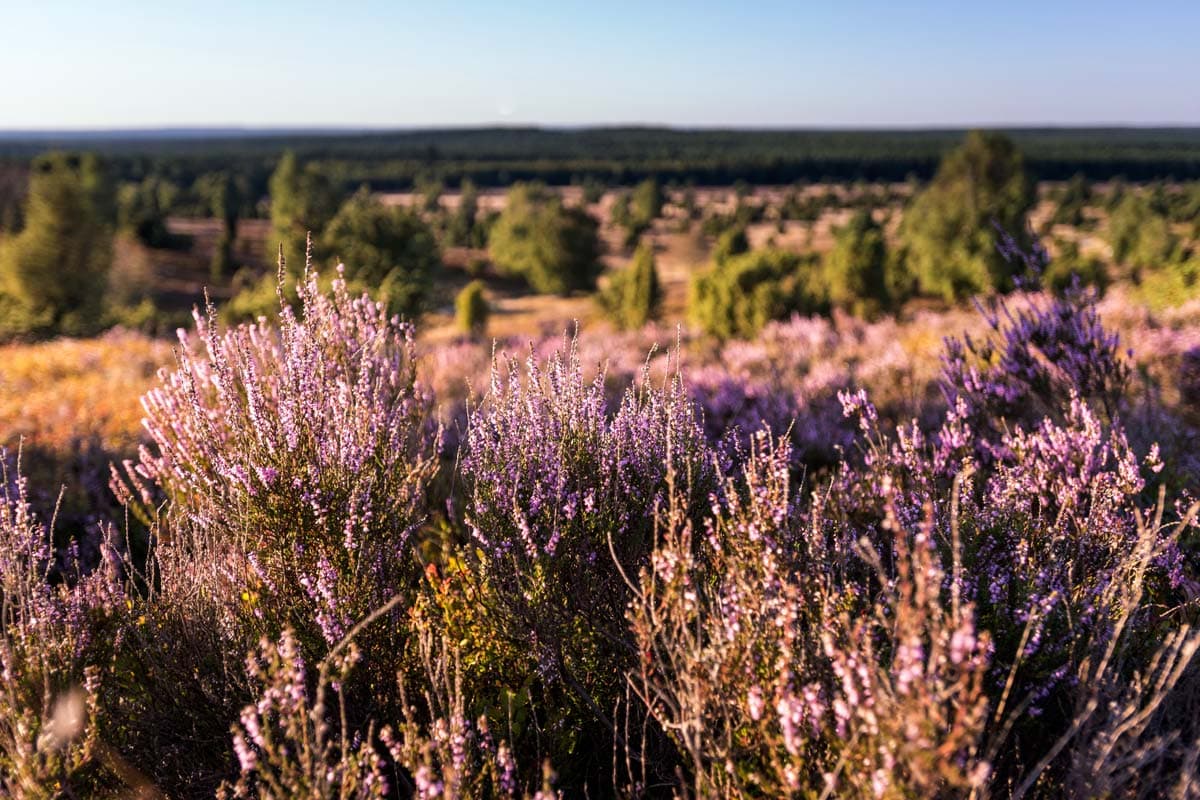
54, 274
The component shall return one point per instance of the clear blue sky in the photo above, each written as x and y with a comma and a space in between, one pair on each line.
769, 63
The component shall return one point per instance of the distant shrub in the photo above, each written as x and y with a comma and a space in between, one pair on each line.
730, 243
637, 211
462, 226
857, 268
1170, 285
1075, 197
54, 273
142, 210
949, 230
1069, 267
593, 189
471, 309
634, 294
555, 249
391, 252
1141, 239
738, 297
303, 200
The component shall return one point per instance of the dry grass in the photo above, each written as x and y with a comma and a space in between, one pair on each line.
58, 393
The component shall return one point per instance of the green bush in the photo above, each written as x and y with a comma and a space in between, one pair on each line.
856, 269
1170, 285
738, 297
633, 296
1075, 197
555, 249
303, 200
142, 210
1140, 237
637, 211
54, 274
949, 231
471, 309
462, 229
1069, 266
388, 250
730, 243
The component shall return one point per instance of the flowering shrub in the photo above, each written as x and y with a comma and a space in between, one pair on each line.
776, 675
304, 451
817, 564
60, 632
287, 745
559, 500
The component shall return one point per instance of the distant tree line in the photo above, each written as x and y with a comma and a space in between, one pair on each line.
625, 156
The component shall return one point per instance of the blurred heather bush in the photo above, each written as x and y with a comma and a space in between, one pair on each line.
819, 563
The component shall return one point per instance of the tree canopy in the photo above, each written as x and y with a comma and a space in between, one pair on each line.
556, 249
386, 249
54, 274
950, 230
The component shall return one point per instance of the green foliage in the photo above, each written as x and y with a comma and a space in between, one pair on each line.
555, 249
430, 191
142, 210
1076, 196
738, 297
730, 243
633, 296
1140, 237
388, 250
462, 229
303, 200
1170, 285
856, 270
1068, 266
14, 182
222, 263
471, 309
949, 230
54, 274
224, 196
593, 189
636, 211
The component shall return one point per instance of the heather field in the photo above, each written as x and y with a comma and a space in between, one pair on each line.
947, 554
633, 471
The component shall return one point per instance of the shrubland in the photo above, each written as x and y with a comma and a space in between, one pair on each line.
813, 563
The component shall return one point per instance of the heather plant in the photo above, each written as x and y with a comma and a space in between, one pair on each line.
299, 455
61, 630
1025, 644
1052, 536
776, 675
1035, 358
558, 501
290, 744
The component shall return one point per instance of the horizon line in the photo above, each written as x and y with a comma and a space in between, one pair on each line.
320, 129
